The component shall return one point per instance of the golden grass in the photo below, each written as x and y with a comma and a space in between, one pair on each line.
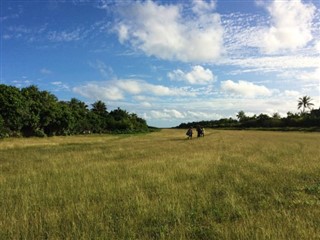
227, 185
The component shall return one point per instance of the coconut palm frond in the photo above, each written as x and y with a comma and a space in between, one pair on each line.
305, 102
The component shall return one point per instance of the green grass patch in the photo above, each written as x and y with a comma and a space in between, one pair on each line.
227, 185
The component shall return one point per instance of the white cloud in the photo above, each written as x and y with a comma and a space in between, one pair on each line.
244, 38
60, 86
130, 86
146, 104
94, 91
123, 33
291, 26
117, 89
174, 113
170, 114
56, 83
162, 31
310, 76
200, 115
142, 98
198, 75
165, 114
242, 32
276, 63
291, 93
245, 89
137, 87
201, 6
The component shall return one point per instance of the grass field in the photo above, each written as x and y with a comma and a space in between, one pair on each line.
227, 185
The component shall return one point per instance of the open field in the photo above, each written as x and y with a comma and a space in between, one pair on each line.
227, 185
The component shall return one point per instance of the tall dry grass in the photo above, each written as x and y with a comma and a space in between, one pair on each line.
227, 185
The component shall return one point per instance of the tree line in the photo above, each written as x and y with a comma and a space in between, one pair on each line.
31, 112
307, 118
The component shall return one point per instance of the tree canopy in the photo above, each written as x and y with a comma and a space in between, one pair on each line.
304, 119
31, 112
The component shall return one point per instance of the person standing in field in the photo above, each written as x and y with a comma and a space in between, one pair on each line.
189, 133
199, 131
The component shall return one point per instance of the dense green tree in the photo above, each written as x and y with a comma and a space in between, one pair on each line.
119, 114
62, 122
99, 108
79, 116
315, 113
139, 124
120, 120
42, 109
99, 117
3, 131
32, 112
241, 116
276, 116
13, 108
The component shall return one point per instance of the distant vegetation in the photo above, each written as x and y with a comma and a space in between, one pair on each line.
31, 112
303, 120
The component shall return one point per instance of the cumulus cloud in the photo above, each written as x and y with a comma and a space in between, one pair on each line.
291, 25
163, 31
95, 91
198, 75
245, 89
117, 89
165, 114
291, 93
202, 6
130, 86
200, 115
186, 115
138, 87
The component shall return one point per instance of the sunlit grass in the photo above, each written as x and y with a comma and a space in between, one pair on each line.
227, 185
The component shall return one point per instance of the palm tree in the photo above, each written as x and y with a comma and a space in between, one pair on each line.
241, 116
305, 102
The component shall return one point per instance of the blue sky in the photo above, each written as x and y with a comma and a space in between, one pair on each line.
168, 61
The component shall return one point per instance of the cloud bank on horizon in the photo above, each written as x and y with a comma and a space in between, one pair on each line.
167, 61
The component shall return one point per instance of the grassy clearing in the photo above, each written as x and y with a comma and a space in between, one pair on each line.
228, 185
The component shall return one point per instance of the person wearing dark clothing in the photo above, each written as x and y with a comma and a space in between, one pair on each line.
189, 133
199, 131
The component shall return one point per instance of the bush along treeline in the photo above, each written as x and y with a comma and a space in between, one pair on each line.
304, 120
31, 112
